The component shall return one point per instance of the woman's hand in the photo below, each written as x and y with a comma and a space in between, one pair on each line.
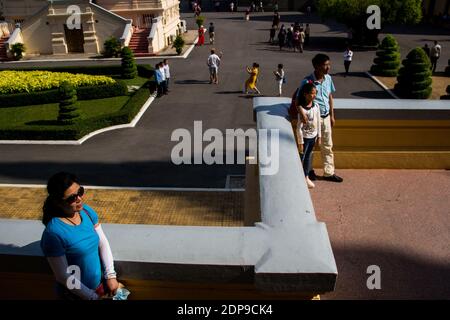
112, 285
301, 148
319, 141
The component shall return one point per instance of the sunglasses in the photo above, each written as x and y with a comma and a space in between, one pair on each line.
73, 197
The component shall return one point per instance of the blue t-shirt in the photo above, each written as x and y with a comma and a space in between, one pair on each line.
324, 89
79, 244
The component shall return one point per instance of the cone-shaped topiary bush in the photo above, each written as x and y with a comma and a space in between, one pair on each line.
67, 104
129, 69
387, 61
414, 78
178, 44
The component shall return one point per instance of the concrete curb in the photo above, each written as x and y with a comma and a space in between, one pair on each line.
184, 56
381, 84
132, 124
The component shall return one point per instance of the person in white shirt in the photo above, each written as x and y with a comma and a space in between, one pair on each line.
213, 64
166, 73
279, 77
348, 56
310, 131
435, 53
163, 78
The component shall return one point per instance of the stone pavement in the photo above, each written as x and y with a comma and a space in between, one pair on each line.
188, 208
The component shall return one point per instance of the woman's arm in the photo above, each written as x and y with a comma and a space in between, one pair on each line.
107, 259
59, 266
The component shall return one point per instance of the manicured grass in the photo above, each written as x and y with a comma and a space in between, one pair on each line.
29, 115
138, 81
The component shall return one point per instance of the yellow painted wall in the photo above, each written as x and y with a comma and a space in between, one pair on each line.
402, 144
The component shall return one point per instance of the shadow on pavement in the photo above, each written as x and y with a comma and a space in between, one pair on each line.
404, 274
372, 94
192, 82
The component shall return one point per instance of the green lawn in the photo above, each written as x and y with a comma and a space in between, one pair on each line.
138, 81
26, 115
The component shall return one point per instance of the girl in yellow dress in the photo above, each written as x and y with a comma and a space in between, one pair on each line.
251, 82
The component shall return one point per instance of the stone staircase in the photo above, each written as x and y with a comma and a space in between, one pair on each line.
3, 56
139, 43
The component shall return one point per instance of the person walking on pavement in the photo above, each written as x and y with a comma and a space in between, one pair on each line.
251, 82
276, 19
279, 78
348, 56
435, 54
282, 37
211, 33
261, 6
213, 63
231, 6
324, 98
307, 33
273, 31
201, 36
166, 73
301, 39
426, 48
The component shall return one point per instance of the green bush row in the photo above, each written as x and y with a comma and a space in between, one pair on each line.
81, 127
51, 96
145, 70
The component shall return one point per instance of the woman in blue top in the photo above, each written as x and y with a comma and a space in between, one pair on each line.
74, 243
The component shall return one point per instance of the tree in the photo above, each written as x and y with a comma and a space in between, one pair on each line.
128, 67
414, 78
67, 104
17, 49
353, 14
178, 44
200, 21
387, 61
111, 47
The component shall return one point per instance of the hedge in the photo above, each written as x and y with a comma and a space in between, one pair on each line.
387, 61
51, 96
82, 127
414, 80
145, 70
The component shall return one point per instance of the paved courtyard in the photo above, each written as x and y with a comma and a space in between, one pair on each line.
396, 219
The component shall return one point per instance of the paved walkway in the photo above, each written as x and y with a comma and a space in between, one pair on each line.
188, 208
141, 156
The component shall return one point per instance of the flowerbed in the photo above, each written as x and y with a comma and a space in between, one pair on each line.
35, 81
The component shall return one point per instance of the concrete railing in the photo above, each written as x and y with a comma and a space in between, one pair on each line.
156, 36
5, 29
16, 37
127, 34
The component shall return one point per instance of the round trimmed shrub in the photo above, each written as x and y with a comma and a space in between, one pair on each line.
111, 47
67, 104
387, 61
129, 68
414, 80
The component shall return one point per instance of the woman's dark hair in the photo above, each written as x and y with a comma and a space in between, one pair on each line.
56, 186
320, 59
307, 88
255, 65
280, 66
